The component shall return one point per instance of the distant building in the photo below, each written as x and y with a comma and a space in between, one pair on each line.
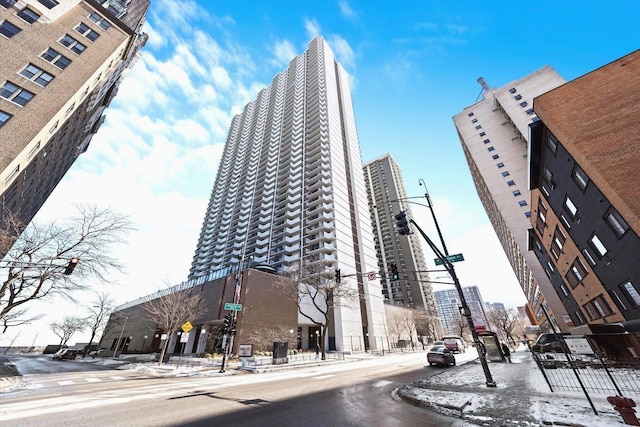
387, 196
62, 62
585, 182
493, 133
448, 303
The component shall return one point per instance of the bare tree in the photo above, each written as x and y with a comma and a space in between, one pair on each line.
263, 338
312, 287
69, 326
98, 316
426, 325
15, 318
36, 262
173, 309
504, 319
461, 324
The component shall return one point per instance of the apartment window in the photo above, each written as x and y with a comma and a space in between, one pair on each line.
570, 207
7, 3
495, 157
490, 149
516, 193
98, 19
486, 141
56, 58
632, 293
83, 29
579, 318
511, 183
470, 114
33, 151
527, 214
530, 112
15, 93
512, 90
523, 104
518, 97
500, 165
505, 173
541, 221
588, 257
482, 133
552, 144
474, 121
597, 245
72, 44
49, 4
8, 29
598, 308
547, 175
478, 127
576, 273
557, 243
616, 298
28, 15
580, 177
4, 117
616, 222
564, 290
522, 203
37, 75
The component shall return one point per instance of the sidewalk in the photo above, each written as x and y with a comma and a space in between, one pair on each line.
521, 397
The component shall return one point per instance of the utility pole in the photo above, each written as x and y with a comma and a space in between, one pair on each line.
230, 330
402, 224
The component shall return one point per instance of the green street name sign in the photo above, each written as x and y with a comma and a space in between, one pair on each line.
232, 307
450, 258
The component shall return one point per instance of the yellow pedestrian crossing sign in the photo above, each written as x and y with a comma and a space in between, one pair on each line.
187, 326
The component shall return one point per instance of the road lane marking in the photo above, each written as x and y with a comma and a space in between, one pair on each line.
92, 380
322, 377
67, 382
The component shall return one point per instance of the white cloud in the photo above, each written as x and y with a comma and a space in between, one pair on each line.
343, 52
346, 11
283, 52
312, 27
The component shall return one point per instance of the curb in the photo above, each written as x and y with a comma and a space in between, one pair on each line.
9, 383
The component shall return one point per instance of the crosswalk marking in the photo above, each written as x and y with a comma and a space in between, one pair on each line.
92, 380
322, 377
67, 382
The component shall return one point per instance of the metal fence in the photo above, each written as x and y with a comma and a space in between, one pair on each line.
589, 374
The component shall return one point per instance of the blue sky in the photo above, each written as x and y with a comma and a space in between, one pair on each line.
413, 65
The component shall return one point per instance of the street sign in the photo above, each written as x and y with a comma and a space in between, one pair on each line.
371, 275
450, 258
187, 326
232, 307
184, 337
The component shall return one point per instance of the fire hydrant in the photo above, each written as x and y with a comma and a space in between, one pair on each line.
624, 405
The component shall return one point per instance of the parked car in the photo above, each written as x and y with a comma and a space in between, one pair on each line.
102, 352
454, 344
549, 343
439, 343
440, 355
65, 354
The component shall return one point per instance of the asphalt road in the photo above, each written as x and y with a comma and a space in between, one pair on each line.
347, 394
14, 364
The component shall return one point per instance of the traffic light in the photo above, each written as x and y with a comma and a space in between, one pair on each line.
338, 277
394, 271
72, 264
402, 223
227, 323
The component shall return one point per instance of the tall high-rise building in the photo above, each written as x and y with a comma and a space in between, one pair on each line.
290, 189
493, 133
387, 196
61, 66
448, 303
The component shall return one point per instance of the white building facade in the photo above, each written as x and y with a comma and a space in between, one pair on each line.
290, 189
494, 134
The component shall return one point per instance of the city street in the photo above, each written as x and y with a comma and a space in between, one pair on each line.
352, 393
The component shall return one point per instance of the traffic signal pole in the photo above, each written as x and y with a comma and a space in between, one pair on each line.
451, 270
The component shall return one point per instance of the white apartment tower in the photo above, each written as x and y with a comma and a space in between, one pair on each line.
494, 134
290, 188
